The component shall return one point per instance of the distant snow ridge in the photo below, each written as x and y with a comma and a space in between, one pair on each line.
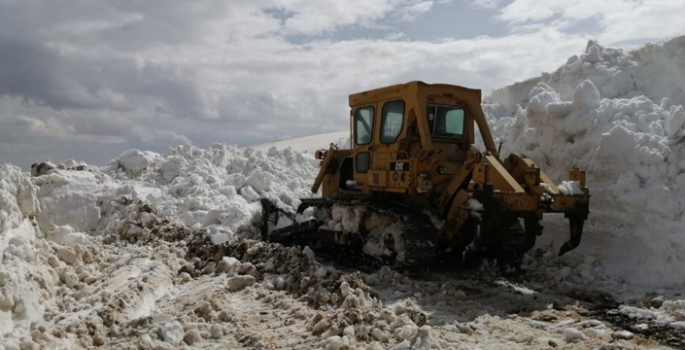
620, 116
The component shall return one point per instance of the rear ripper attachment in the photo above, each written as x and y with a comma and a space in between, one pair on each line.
529, 194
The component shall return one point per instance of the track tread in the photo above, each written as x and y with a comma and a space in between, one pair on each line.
421, 236
422, 239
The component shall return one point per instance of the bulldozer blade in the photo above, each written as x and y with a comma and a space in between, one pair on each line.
294, 232
576, 223
268, 209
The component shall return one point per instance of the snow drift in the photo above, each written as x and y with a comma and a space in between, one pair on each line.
620, 116
216, 188
20, 297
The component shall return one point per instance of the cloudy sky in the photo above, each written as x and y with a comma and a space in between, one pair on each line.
88, 79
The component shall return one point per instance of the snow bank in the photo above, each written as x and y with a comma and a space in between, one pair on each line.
216, 188
52, 227
620, 116
44, 269
20, 294
18, 204
74, 198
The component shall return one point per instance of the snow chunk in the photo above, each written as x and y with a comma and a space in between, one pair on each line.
626, 335
66, 235
237, 283
675, 121
229, 265
586, 95
475, 205
172, 333
570, 188
334, 343
133, 162
572, 335
592, 53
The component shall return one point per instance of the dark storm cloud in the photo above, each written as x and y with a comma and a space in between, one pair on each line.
68, 54
27, 71
42, 74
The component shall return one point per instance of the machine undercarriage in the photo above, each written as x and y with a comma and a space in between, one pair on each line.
368, 235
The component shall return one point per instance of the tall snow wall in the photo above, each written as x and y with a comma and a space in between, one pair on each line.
620, 116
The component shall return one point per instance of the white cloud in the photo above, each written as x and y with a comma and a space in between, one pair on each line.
487, 4
618, 20
314, 17
413, 10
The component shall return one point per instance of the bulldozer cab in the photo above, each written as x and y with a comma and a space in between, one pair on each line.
393, 125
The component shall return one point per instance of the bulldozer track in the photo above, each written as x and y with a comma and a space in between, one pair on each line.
420, 235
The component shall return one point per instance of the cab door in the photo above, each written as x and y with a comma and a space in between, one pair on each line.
364, 121
387, 172
375, 136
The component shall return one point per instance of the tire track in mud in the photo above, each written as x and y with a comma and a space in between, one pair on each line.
252, 317
278, 329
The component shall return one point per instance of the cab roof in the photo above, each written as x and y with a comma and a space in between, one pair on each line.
413, 88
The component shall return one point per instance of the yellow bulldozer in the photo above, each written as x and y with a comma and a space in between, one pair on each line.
413, 190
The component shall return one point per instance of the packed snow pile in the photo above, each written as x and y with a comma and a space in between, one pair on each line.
216, 188
58, 277
620, 116
20, 300
17, 198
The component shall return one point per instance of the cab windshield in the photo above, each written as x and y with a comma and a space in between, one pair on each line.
445, 121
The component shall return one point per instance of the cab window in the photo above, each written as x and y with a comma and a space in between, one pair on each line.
445, 121
392, 121
363, 125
